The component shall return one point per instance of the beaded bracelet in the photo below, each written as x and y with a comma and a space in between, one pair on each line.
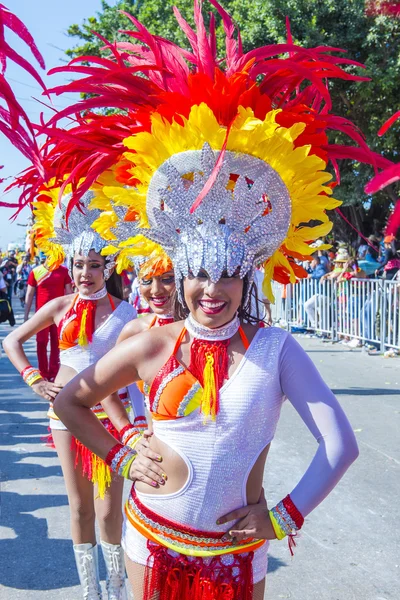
120, 458
286, 520
133, 432
140, 423
280, 534
130, 435
30, 375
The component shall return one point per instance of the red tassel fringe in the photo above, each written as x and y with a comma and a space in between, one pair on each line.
85, 455
182, 577
198, 351
48, 439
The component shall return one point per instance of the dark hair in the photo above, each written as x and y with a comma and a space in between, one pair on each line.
245, 312
114, 285
181, 310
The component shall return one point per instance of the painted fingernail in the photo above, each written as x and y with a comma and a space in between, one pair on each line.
230, 533
163, 475
219, 521
159, 458
162, 481
154, 483
225, 538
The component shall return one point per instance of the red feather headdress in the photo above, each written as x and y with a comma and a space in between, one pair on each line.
153, 75
388, 8
152, 80
14, 122
386, 177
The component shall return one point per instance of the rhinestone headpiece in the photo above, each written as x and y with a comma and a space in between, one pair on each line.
241, 138
134, 249
242, 220
78, 237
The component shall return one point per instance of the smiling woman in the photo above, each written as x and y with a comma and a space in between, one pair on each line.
88, 324
213, 304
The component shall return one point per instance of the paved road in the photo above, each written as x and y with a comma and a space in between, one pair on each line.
349, 549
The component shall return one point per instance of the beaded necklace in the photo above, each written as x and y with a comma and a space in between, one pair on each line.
209, 360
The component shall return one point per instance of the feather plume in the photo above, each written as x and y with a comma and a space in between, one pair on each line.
148, 75
389, 175
15, 124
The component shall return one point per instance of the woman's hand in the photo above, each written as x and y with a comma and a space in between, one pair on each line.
253, 522
144, 441
46, 389
146, 466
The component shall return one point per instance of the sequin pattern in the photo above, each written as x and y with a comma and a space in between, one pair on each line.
78, 236
226, 332
154, 404
253, 396
187, 399
104, 339
230, 229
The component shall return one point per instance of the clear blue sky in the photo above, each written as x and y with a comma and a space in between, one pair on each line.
48, 21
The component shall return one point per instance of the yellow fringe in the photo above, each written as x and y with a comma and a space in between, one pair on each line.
101, 475
209, 402
82, 337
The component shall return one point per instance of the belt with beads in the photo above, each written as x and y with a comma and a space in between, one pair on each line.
181, 538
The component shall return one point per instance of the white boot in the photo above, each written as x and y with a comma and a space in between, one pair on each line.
114, 559
87, 563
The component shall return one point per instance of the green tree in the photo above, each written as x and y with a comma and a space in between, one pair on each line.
374, 41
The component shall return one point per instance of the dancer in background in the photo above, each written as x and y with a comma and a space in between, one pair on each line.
88, 324
157, 287
44, 285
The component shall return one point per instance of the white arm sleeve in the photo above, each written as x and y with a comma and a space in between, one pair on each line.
324, 417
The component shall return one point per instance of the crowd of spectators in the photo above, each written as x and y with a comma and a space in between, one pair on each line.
378, 257
15, 269
375, 257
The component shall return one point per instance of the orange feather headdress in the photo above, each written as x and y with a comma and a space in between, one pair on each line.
222, 160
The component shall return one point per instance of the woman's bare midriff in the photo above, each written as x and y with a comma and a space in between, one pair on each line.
64, 375
177, 472
174, 467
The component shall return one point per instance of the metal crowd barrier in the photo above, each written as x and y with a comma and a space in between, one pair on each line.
364, 309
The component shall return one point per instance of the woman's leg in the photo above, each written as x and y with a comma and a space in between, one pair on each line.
79, 491
109, 517
136, 574
81, 506
259, 590
109, 511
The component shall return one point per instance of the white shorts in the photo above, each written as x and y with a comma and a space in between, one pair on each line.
57, 424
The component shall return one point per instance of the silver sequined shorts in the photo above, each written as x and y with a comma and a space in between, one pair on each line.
135, 547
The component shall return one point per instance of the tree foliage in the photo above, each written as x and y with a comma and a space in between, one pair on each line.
372, 40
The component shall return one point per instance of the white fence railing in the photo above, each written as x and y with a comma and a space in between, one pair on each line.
365, 309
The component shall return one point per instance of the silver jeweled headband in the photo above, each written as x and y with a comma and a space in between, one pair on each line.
79, 237
240, 223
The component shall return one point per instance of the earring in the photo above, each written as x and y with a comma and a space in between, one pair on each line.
108, 268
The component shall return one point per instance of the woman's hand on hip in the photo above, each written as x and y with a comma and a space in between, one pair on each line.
144, 442
252, 522
146, 467
46, 389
